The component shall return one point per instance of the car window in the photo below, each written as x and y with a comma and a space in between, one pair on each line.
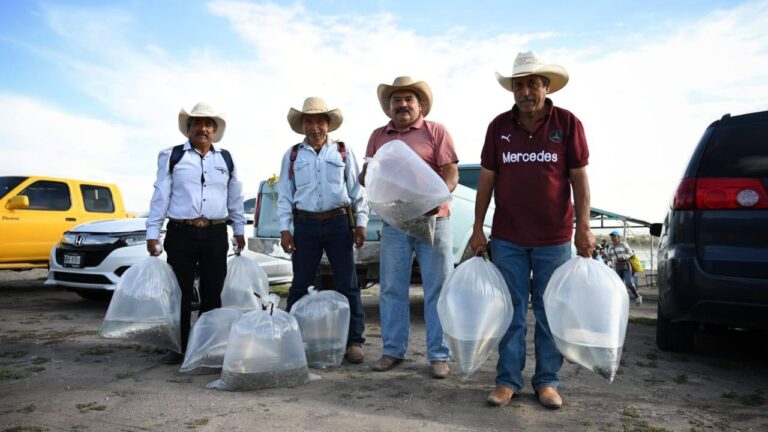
48, 195
469, 177
97, 199
737, 150
249, 205
8, 183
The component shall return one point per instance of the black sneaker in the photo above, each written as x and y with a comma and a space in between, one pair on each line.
172, 358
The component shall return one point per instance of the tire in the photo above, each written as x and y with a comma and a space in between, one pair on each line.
674, 336
324, 282
95, 295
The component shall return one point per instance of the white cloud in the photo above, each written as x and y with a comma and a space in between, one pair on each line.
643, 107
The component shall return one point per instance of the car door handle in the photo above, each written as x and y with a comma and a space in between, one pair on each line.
70, 219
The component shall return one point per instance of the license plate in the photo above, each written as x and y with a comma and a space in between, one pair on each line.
73, 260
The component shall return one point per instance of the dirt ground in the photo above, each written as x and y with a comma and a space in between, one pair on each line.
56, 374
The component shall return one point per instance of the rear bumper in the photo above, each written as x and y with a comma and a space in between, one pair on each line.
688, 293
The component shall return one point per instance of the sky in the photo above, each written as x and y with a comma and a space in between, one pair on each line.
92, 89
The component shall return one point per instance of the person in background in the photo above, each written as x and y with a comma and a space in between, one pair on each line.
619, 253
198, 190
319, 193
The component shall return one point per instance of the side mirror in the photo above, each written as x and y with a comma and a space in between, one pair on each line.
17, 202
656, 229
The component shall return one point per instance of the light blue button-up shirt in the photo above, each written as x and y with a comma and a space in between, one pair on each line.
199, 187
321, 182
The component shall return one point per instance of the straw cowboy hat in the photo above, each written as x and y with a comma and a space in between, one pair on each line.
314, 105
529, 63
202, 109
405, 83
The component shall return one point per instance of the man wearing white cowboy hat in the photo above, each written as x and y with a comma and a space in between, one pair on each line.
198, 190
319, 193
406, 103
534, 155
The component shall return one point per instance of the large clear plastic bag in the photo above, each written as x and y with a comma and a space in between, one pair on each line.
264, 350
401, 187
475, 310
208, 341
245, 286
587, 308
323, 318
146, 306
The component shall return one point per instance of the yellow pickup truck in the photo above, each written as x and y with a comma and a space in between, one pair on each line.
35, 211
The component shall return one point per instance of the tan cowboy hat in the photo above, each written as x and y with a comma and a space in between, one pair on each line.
202, 109
314, 105
405, 83
529, 63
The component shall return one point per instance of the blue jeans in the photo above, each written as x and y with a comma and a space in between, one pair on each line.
516, 264
435, 262
628, 279
334, 236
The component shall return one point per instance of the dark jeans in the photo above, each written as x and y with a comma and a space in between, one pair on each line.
205, 249
333, 236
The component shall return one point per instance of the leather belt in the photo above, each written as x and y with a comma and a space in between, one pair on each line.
199, 222
320, 215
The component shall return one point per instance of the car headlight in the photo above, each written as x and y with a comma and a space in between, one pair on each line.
67, 238
134, 239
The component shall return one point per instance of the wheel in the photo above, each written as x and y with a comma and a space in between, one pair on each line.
94, 295
674, 336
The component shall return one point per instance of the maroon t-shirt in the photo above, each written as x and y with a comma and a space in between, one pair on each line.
533, 191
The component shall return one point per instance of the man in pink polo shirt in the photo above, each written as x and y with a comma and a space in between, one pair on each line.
406, 103
533, 156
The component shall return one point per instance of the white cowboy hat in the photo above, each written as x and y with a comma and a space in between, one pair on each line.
529, 63
202, 109
314, 105
405, 83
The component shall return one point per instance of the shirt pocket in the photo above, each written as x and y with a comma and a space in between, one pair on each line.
302, 173
334, 171
220, 175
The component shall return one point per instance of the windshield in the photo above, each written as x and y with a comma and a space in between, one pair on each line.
8, 183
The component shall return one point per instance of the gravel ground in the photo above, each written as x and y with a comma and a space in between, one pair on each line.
56, 374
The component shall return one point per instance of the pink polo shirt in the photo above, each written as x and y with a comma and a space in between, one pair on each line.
428, 139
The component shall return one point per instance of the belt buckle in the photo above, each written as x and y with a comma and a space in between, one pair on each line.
200, 222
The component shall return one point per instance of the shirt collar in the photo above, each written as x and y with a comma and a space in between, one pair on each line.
548, 107
188, 146
418, 124
305, 143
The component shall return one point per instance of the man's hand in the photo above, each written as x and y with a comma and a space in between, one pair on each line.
361, 177
286, 241
478, 243
240, 239
584, 241
359, 237
432, 212
154, 248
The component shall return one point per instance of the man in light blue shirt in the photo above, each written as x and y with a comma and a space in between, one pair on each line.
318, 192
198, 190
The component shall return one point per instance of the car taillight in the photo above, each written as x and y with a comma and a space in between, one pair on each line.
685, 197
256, 210
720, 194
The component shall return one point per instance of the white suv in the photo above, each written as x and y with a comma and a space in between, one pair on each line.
91, 257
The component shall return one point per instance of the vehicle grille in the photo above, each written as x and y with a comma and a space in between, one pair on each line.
92, 255
81, 278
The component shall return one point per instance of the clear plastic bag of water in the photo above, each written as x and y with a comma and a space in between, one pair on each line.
587, 308
245, 286
402, 187
208, 341
146, 306
323, 318
264, 350
475, 310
